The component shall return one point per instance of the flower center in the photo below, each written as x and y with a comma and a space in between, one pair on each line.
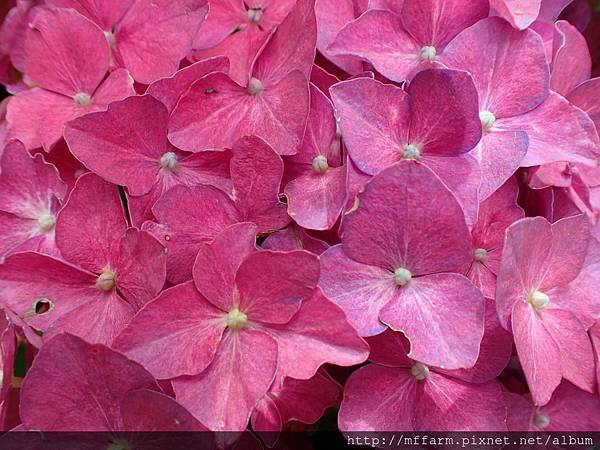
402, 276
488, 120
255, 13
428, 53
539, 300
82, 99
168, 161
110, 37
46, 222
411, 152
319, 164
541, 420
107, 280
480, 254
255, 86
419, 371
236, 319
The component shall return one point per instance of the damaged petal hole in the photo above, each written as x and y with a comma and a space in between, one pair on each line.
538, 300
541, 420
46, 222
402, 276
168, 161
319, 164
82, 99
428, 53
107, 280
480, 254
255, 86
488, 120
411, 151
42, 306
419, 371
236, 319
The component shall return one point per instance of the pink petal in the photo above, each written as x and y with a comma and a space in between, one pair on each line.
374, 119
551, 9
381, 234
586, 96
545, 355
58, 62
294, 238
509, 67
390, 349
99, 379
176, 334
443, 317
154, 36
196, 123
359, 289
266, 420
256, 172
292, 46
117, 86
558, 131
571, 62
86, 236
216, 397
218, 261
380, 38
520, 13
170, 90
188, 217
146, 411
444, 101
105, 13
140, 267
334, 341
124, 144
595, 336
272, 285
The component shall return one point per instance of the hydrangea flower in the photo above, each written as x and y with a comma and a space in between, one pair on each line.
539, 260
398, 46
147, 37
242, 303
412, 396
390, 271
70, 79
107, 392
31, 193
272, 102
108, 272
434, 123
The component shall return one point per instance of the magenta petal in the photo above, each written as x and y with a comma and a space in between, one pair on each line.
544, 359
140, 267
153, 37
266, 419
105, 13
509, 67
86, 236
272, 285
176, 334
595, 336
444, 102
379, 37
360, 290
170, 90
443, 317
374, 119
520, 13
99, 379
500, 154
390, 407
218, 261
216, 397
188, 217
571, 61
58, 62
146, 411
587, 97
390, 349
380, 233
294, 238
334, 341
256, 172
124, 144
558, 131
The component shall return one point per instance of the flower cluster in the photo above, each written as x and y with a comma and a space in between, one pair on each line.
224, 213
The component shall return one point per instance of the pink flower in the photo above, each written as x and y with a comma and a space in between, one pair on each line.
399, 46
147, 37
397, 267
238, 327
69, 74
538, 263
106, 392
31, 193
399, 393
108, 272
